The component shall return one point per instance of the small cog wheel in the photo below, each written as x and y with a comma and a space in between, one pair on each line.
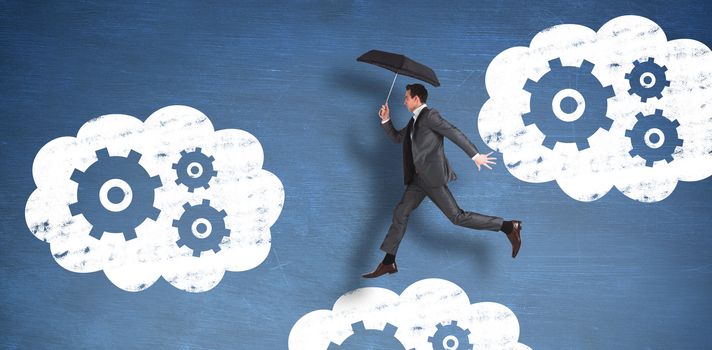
647, 79
568, 104
654, 137
194, 169
201, 227
450, 337
115, 194
370, 339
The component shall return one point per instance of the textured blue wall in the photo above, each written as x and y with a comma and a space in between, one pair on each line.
611, 274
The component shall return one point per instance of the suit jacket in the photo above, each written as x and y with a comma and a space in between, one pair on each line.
426, 153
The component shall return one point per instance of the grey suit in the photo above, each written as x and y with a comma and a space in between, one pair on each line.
426, 172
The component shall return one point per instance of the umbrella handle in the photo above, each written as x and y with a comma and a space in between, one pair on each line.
389, 91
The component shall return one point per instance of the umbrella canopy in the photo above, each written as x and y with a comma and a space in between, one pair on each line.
400, 64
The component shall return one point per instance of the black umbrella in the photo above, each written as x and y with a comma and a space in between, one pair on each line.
399, 64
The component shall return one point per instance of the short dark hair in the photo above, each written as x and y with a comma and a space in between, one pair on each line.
418, 90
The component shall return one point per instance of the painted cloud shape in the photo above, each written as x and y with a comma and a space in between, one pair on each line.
169, 197
429, 314
641, 124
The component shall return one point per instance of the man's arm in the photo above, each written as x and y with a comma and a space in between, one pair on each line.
441, 126
393, 134
444, 128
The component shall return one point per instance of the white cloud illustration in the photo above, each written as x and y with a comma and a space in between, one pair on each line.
429, 314
100, 205
653, 104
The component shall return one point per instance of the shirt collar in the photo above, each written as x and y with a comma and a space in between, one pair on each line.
416, 112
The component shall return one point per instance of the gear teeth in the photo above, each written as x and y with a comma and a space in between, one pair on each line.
216, 249
75, 209
183, 152
639, 116
358, 326
174, 166
606, 123
627, 76
454, 322
129, 234
667, 82
549, 142
176, 223
390, 329
651, 59
527, 118
658, 112
214, 173
633, 152
180, 242
636, 63
77, 176
206, 202
643, 99
134, 156
630, 91
153, 213
582, 144
206, 186
178, 182
212, 159
439, 326
223, 213
676, 123
198, 149
555, 63
196, 253
102, 153
529, 85
659, 96
191, 189
96, 233
186, 206
669, 158
679, 142
609, 91
629, 133
587, 66
156, 182
649, 163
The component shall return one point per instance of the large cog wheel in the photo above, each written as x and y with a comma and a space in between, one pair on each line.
647, 79
194, 169
450, 337
654, 137
556, 92
201, 227
370, 339
115, 194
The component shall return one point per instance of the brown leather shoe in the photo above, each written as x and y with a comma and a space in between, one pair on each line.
381, 270
515, 237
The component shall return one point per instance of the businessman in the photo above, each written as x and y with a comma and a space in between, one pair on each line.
426, 173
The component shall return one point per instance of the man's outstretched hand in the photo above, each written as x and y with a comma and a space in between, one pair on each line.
484, 160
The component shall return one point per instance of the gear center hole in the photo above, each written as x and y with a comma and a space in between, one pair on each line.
201, 228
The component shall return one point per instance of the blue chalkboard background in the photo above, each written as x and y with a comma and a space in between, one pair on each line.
611, 274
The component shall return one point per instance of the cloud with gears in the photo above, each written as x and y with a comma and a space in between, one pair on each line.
621, 106
429, 314
169, 197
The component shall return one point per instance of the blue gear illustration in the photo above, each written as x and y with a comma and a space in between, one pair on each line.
201, 227
450, 337
647, 79
654, 137
559, 80
194, 169
115, 194
370, 339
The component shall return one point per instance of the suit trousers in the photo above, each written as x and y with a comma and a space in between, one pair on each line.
414, 194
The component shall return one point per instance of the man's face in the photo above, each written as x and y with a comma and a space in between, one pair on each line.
411, 102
